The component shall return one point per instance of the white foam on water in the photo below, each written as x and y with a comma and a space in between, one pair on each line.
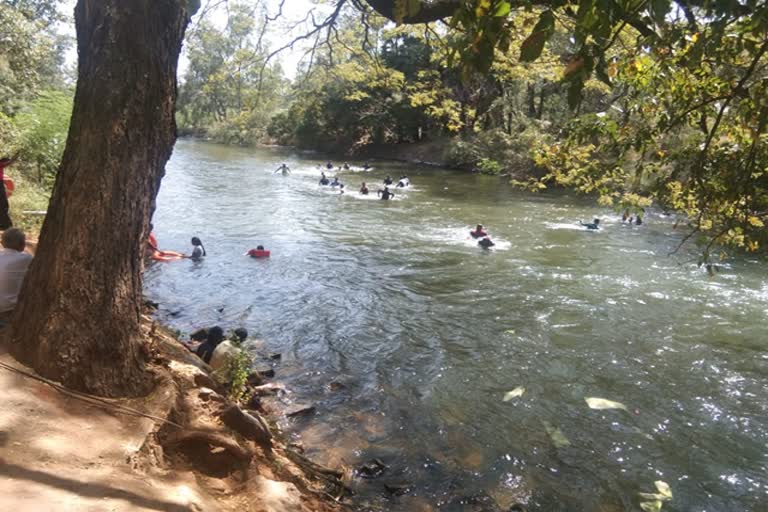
563, 225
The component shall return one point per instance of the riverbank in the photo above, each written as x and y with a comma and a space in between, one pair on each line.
183, 447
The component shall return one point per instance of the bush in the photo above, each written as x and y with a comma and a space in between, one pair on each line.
495, 151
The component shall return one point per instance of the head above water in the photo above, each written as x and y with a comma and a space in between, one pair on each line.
479, 227
14, 238
196, 241
215, 335
596, 221
259, 247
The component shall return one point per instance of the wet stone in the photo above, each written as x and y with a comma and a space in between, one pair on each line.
372, 469
303, 410
396, 489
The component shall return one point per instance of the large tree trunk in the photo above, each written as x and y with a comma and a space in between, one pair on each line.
78, 320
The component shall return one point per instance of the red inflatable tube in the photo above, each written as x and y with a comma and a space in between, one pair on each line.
258, 253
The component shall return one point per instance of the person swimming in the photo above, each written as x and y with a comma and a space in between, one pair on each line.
404, 182
364, 189
258, 252
388, 180
324, 179
198, 251
479, 232
329, 165
486, 243
336, 182
366, 166
385, 194
593, 225
346, 166
284, 169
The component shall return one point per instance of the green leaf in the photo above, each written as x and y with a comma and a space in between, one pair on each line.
660, 9
602, 404
651, 506
556, 435
533, 45
502, 9
517, 392
663, 489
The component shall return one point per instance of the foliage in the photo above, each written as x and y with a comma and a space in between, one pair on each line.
29, 196
30, 57
238, 369
229, 93
42, 125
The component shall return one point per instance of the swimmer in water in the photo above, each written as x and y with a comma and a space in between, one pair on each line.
486, 243
329, 165
385, 194
388, 180
284, 169
366, 166
404, 182
335, 182
595, 224
479, 232
364, 189
198, 251
324, 179
346, 166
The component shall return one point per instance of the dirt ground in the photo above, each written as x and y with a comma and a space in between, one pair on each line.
60, 453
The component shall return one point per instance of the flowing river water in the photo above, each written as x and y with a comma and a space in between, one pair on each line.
427, 332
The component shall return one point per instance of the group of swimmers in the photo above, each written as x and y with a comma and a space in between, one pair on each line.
384, 194
197, 254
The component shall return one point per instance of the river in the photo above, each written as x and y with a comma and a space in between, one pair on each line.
427, 332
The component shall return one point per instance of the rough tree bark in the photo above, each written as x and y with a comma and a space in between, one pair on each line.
78, 320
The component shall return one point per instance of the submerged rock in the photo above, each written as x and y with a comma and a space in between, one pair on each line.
304, 410
372, 469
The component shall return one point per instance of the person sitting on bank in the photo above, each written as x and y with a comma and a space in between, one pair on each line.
213, 340
198, 251
479, 232
595, 224
364, 189
284, 169
388, 180
385, 194
486, 243
14, 263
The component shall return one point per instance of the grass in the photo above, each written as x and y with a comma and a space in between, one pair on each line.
28, 196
